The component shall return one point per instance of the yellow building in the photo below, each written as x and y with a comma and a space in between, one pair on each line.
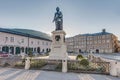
102, 42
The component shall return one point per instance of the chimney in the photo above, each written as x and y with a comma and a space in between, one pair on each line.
103, 30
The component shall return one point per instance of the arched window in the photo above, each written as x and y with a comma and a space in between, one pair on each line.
26, 50
12, 50
47, 50
34, 49
22, 49
43, 50
18, 50
97, 50
5, 49
38, 49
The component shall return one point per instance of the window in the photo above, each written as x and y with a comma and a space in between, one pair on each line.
107, 36
103, 41
103, 36
43, 50
6, 39
22, 41
108, 41
38, 42
99, 41
95, 42
31, 42
90, 42
42, 43
12, 39
34, 49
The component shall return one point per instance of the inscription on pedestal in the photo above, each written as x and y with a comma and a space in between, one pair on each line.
57, 47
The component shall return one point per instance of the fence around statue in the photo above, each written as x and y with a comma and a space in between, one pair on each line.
95, 66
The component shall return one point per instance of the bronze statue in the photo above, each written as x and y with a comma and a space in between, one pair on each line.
58, 19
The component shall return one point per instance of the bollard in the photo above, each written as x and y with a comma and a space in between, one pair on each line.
27, 63
118, 69
64, 65
113, 68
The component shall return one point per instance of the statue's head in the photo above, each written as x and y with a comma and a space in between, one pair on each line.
57, 9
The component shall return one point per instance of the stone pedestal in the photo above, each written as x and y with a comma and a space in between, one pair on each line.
64, 65
27, 63
58, 48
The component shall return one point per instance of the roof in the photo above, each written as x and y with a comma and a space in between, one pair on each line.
96, 34
27, 33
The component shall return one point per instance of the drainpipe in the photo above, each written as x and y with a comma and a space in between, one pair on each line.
73, 45
28, 43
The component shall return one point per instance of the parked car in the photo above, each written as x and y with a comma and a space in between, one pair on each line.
3, 54
35, 53
10, 55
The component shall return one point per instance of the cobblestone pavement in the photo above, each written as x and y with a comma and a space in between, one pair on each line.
21, 74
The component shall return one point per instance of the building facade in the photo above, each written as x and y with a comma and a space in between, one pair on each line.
102, 42
16, 41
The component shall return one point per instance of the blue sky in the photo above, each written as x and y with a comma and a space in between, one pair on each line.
80, 16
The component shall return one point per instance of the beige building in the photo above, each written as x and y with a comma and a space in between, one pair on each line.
102, 42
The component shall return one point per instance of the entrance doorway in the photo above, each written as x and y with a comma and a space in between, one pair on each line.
17, 50
97, 50
38, 49
80, 51
12, 50
5, 49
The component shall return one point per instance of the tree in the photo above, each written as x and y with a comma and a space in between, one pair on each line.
30, 54
84, 62
79, 57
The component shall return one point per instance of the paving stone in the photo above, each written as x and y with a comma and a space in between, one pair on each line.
21, 74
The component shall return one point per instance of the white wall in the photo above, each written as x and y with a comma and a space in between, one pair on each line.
43, 44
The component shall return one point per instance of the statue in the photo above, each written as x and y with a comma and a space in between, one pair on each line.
58, 19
